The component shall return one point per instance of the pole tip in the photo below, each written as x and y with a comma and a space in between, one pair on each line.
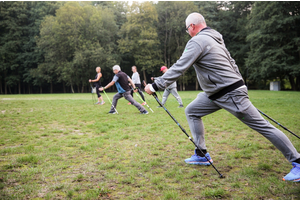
222, 176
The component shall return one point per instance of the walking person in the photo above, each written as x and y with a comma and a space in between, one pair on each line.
170, 89
121, 80
223, 87
137, 82
97, 84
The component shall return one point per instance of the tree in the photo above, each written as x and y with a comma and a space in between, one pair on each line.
77, 40
232, 21
139, 36
172, 34
19, 24
13, 18
275, 41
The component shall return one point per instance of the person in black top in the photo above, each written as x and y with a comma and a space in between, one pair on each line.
97, 84
121, 80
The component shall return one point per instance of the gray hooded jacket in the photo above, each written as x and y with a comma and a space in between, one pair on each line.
213, 64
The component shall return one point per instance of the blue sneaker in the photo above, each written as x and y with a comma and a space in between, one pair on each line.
198, 160
294, 174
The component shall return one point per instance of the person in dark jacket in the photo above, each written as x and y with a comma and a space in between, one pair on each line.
97, 84
121, 80
223, 86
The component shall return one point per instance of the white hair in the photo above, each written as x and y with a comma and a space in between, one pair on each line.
117, 67
195, 18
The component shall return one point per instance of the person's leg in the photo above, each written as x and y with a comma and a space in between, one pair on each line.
237, 103
98, 94
140, 91
176, 95
129, 98
101, 98
165, 96
194, 112
131, 93
115, 101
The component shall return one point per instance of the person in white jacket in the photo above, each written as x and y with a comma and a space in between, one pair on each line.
137, 81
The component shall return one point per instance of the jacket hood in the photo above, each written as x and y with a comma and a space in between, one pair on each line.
212, 33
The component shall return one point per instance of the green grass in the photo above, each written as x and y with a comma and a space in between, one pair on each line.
61, 146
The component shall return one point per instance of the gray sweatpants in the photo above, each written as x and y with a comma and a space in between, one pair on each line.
129, 98
237, 103
167, 93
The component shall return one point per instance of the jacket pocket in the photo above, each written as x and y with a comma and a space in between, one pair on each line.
211, 80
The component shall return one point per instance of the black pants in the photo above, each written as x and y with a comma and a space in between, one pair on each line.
140, 91
97, 90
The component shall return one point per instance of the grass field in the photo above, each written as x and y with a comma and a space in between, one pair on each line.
61, 146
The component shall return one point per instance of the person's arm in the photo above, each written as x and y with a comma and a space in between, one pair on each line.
107, 86
190, 55
115, 79
98, 78
132, 84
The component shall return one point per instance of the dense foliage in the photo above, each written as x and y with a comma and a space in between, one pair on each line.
50, 47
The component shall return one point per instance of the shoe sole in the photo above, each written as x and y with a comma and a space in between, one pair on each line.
199, 163
295, 180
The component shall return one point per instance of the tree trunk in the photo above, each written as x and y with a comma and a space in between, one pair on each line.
166, 38
292, 82
5, 85
41, 90
180, 86
51, 87
19, 87
145, 78
197, 85
64, 87
298, 83
29, 92
183, 85
9, 89
1, 91
82, 89
169, 54
72, 88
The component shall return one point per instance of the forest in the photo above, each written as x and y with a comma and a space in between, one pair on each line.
54, 47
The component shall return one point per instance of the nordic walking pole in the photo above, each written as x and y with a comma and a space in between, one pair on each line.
183, 130
110, 101
143, 100
279, 124
93, 99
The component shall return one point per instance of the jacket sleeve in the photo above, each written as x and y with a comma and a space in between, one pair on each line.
192, 51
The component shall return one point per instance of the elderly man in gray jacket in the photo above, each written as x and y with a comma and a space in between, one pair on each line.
223, 87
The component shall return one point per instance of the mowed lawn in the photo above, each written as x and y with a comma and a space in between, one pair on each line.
62, 146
